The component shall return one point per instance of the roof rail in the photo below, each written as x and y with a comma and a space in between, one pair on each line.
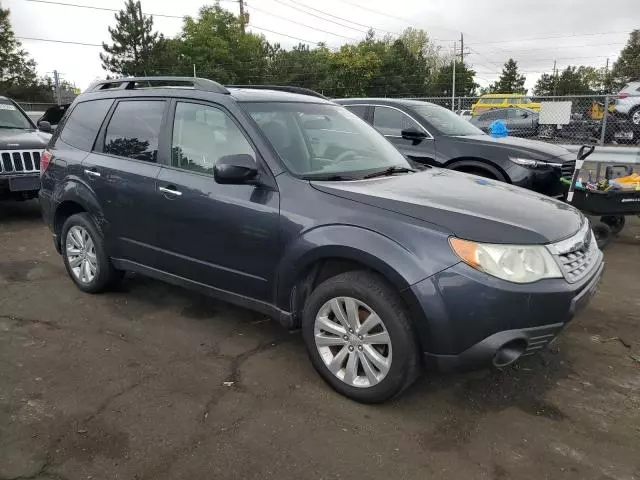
283, 88
132, 83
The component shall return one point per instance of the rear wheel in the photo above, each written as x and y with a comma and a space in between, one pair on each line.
614, 222
359, 337
84, 255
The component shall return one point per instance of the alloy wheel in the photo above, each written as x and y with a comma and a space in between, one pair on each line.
81, 254
353, 342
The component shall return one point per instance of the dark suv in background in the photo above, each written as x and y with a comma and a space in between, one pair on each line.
428, 134
290, 205
21, 145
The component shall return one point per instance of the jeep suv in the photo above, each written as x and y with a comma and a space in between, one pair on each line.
21, 145
288, 204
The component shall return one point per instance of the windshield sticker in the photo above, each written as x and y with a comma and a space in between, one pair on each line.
7, 106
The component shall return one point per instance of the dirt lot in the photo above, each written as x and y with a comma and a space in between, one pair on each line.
154, 382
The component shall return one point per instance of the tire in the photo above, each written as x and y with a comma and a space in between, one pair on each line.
634, 117
602, 233
370, 291
91, 250
614, 222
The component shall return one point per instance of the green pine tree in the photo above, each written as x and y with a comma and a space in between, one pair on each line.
18, 76
627, 67
134, 43
510, 80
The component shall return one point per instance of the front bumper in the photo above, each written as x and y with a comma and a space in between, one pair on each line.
471, 315
544, 180
20, 182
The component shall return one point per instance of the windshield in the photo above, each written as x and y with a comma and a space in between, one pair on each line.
324, 141
445, 121
11, 117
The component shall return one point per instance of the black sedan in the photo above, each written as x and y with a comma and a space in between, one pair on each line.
521, 122
428, 134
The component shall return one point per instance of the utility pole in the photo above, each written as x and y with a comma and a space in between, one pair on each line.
453, 83
194, 70
56, 84
241, 15
555, 78
462, 48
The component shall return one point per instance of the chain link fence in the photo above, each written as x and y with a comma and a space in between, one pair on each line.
577, 119
574, 119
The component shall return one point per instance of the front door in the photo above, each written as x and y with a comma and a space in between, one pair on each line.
391, 122
224, 236
122, 170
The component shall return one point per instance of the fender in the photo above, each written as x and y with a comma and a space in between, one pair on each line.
75, 189
399, 265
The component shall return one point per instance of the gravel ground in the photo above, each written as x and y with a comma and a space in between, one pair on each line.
154, 382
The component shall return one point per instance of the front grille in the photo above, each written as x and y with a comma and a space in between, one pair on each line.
18, 161
576, 255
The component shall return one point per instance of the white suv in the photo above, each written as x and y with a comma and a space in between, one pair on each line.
628, 102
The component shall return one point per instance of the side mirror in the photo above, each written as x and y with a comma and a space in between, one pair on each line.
413, 134
236, 169
525, 115
45, 126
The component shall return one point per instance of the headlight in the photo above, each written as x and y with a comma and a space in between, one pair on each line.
514, 263
527, 162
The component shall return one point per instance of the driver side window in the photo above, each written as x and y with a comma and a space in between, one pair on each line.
202, 134
391, 122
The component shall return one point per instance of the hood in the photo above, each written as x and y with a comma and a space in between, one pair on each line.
468, 206
534, 149
11, 139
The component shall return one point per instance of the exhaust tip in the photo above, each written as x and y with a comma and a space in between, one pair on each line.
509, 353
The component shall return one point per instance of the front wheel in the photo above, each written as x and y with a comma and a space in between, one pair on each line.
615, 222
359, 337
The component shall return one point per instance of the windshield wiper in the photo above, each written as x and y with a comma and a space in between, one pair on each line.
12, 128
390, 171
329, 178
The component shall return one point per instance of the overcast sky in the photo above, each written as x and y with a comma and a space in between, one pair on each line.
534, 32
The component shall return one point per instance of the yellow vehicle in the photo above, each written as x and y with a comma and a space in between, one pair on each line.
503, 100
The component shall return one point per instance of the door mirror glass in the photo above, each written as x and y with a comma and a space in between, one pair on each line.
45, 126
236, 169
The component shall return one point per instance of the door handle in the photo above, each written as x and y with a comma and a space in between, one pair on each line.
170, 191
92, 173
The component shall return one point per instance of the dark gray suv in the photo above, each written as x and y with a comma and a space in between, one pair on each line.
290, 205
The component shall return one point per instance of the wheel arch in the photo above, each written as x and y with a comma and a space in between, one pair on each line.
75, 197
344, 248
470, 163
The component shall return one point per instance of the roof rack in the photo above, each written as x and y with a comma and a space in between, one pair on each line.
283, 88
132, 83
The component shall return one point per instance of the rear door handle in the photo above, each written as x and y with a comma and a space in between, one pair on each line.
92, 173
170, 191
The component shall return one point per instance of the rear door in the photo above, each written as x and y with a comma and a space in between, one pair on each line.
224, 236
391, 121
520, 122
122, 170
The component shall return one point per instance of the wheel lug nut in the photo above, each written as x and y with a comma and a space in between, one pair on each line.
351, 348
360, 337
351, 330
345, 337
359, 347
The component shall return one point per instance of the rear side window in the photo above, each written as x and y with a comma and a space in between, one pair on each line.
81, 128
359, 110
134, 129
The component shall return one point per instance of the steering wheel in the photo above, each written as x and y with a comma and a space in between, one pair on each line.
344, 155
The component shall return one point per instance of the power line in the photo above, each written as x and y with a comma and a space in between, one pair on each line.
367, 27
530, 39
317, 16
60, 41
285, 35
89, 7
300, 23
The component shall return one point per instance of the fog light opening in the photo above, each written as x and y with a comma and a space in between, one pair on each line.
509, 352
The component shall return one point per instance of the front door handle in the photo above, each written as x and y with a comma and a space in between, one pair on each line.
170, 191
92, 173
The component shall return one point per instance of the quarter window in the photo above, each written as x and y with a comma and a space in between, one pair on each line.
390, 121
134, 129
82, 126
202, 134
359, 110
